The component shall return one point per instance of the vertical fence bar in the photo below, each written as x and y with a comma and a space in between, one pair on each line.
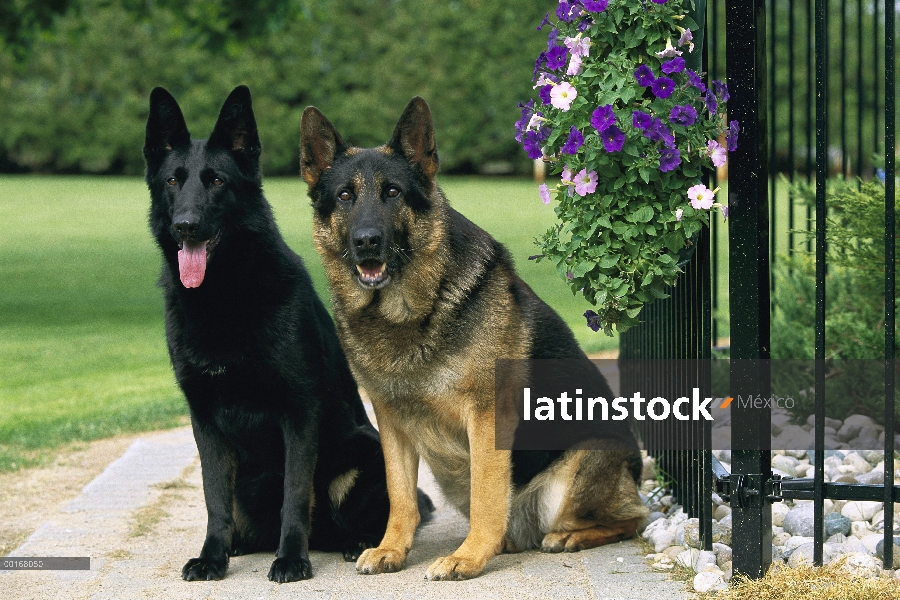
890, 290
749, 275
821, 177
844, 90
859, 90
792, 156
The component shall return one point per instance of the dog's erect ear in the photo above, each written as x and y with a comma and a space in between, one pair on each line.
320, 143
236, 128
166, 129
414, 137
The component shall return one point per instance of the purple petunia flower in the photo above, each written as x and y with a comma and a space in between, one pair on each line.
532, 145
695, 80
539, 64
593, 319
644, 76
595, 5
710, 100
603, 117
556, 58
613, 138
658, 132
553, 39
573, 143
721, 90
683, 114
522, 123
544, 94
676, 65
641, 120
546, 21
567, 10
669, 158
663, 87
659, 1
731, 138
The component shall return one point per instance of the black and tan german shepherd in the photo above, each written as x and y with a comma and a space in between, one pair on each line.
290, 460
425, 302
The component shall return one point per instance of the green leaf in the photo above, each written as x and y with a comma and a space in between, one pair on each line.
583, 268
608, 261
643, 214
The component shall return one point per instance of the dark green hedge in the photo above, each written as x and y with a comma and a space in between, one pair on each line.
74, 86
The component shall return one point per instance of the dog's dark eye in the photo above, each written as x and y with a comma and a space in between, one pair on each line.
345, 196
217, 181
392, 192
172, 181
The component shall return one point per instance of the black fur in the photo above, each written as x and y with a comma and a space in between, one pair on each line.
275, 410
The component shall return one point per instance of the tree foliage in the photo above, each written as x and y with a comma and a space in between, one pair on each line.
75, 82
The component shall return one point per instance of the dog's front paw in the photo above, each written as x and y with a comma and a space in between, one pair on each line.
204, 569
453, 568
288, 569
353, 550
380, 560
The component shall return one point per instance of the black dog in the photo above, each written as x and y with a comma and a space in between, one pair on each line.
290, 460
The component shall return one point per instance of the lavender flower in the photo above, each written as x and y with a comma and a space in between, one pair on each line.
686, 38
716, 153
562, 95
544, 191
585, 182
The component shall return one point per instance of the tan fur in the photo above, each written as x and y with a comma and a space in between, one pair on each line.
431, 382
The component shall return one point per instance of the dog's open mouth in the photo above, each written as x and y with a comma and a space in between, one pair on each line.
372, 273
192, 257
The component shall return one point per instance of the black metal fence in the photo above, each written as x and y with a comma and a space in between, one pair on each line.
812, 84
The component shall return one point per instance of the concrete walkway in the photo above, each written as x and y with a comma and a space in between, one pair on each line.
144, 516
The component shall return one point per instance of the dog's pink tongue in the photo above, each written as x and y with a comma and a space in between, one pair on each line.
192, 264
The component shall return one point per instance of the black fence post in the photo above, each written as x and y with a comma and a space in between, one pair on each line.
749, 280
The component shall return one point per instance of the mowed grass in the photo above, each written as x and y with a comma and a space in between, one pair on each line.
82, 343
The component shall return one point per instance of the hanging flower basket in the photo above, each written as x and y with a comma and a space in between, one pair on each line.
628, 128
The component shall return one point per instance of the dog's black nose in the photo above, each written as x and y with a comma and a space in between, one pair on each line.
367, 239
186, 228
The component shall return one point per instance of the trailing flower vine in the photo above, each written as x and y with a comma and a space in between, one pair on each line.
628, 128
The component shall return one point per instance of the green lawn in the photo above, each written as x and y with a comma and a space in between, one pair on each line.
82, 348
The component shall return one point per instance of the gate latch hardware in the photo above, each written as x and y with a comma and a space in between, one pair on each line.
744, 489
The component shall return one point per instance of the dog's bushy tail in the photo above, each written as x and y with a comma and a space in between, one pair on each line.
426, 507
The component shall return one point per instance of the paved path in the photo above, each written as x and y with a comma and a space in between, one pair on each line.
144, 516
